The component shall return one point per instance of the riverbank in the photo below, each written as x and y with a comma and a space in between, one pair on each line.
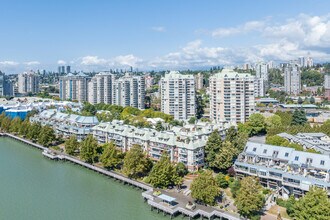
153, 201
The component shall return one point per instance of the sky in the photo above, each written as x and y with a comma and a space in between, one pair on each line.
95, 35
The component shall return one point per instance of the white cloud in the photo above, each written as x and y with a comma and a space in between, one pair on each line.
193, 55
8, 63
32, 63
127, 60
159, 29
92, 60
306, 30
246, 27
61, 62
121, 61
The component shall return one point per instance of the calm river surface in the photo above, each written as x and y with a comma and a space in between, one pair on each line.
33, 187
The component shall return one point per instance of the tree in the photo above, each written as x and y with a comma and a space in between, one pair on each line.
312, 100
212, 147
34, 131
240, 141
25, 127
276, 140
298, 117
181, 169
163, 173
300, 101
71, 145
46, 136
88, 149
192, 120
2, 116
312, 78
88, 109
249, 199
15, 125
225, 157
273, 121
5, 124
275, 77
315, 205
222, 180
234, 187
231, 134
325, 128
111, 156
286, 117
159, 126
136, 164
204, 188
257, 123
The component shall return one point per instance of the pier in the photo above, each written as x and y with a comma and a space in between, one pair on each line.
154, 202
179, 207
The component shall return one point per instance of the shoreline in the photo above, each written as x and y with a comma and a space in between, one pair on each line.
146, 194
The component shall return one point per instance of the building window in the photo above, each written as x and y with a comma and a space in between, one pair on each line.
265, 151
296, 158
322, 162
254, 149
286, 154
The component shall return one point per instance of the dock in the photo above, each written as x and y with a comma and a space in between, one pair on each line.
179, 208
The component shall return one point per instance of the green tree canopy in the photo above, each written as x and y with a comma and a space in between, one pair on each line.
5, 124
111, 156
136, 164
71, 145
88, 109
212, 147
257, 123
325, 128
163, 173
159, 126
249, 199
204, 188
315, 205
34, 131
15, 125
221, 180
231, 134
88, 149
181, 169
192, 120
299, 117
225, 157
286, 117
46, 136
273, 121
25, 127
312, 78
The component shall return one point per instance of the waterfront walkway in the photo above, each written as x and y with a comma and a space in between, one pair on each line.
179, 207
153, 201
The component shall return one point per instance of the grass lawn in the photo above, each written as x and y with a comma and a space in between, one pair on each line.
275, 208
228, 192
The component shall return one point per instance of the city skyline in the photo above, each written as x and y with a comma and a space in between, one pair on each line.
149, 35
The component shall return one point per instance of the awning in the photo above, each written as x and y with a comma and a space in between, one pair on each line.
166, 198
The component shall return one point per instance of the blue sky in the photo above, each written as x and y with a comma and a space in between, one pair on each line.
171, 34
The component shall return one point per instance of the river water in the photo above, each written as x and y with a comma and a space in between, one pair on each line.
33, 187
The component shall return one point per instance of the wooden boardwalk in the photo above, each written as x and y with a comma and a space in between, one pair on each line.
179, 208
147, 194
